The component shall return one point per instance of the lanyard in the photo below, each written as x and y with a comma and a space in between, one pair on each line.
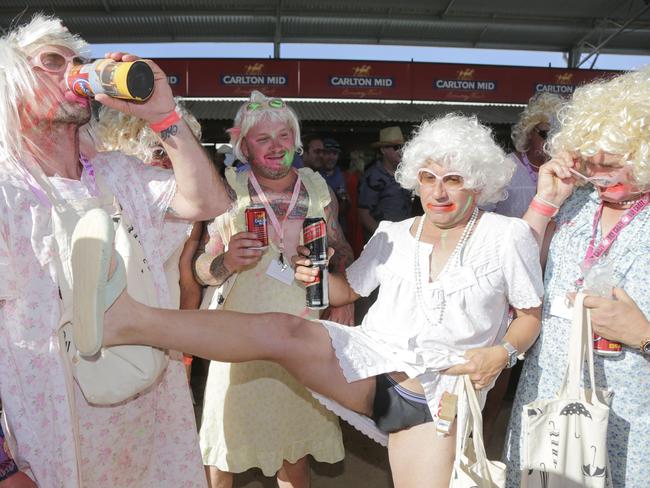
529, 167
89, 175
277, 225
595, 252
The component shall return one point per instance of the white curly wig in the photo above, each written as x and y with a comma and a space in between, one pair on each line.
611, 116
17, 80
461, 144
541, 109
117, 131
246, 119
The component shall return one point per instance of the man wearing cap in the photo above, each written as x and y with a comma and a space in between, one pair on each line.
333, 175
380, 196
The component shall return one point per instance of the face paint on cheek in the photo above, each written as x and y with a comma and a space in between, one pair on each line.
288, 158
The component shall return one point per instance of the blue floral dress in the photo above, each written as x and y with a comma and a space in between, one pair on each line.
626, 375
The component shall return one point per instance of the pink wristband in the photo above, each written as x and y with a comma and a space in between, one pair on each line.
543, 208
165, 123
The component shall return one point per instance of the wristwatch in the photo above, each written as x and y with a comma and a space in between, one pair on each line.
645, 346
512, 353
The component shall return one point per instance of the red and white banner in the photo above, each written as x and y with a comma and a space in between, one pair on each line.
370, 80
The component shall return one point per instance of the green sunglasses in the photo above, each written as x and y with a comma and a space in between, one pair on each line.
276, 103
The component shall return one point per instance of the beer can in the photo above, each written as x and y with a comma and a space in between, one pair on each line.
605, 347
317, 290
129, 80
314, 237
257, 223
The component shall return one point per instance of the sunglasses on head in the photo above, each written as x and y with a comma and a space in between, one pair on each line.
54, 61
275, 103
451, 180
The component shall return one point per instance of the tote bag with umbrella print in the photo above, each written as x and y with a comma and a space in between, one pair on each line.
565, 439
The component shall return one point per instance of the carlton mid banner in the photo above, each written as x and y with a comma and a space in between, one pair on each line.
370, 80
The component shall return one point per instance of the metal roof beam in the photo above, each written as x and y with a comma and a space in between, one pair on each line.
596, 50
277, 36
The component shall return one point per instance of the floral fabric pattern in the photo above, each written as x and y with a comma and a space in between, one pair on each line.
150, 441
627, 375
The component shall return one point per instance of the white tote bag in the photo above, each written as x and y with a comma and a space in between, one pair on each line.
565, 439
472, 469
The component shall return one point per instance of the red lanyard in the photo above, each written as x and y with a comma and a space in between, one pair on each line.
595, 252
277, 225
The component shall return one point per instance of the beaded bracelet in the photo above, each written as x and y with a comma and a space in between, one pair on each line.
165, 123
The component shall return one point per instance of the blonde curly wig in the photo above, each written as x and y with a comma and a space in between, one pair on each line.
117, 131
541, 109
611, 116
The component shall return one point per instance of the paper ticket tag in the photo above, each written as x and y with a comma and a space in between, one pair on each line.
280, 272
447, 409
560, 307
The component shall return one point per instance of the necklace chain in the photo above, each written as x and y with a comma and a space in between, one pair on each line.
454, 258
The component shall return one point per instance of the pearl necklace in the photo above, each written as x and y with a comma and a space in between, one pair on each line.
454, 258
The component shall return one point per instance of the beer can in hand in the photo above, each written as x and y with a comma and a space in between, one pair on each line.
129, 80
318, 290
605, 347
314, 237
257, 223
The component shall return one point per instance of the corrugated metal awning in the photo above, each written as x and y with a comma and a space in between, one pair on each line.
314, 111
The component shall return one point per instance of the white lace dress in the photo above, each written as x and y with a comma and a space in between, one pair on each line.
499, 268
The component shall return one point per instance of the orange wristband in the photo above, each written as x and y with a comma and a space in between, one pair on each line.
543, 208
165, 123
187, 360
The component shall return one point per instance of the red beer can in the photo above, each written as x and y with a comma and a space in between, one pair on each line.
605, 347
257, 223
314, 236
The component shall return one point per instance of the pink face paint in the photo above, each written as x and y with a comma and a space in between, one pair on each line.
74, 98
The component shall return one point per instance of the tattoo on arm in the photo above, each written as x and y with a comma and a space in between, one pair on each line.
343, 256
170, 131
218, 270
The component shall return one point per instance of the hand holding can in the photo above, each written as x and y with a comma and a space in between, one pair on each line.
157, 107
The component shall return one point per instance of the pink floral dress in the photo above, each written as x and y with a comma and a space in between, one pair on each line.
150, 441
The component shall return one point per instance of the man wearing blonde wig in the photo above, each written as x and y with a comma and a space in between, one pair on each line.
256, 414
593, 207
54, 434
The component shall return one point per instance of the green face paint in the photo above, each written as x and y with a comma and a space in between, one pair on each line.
461, 215
288, 158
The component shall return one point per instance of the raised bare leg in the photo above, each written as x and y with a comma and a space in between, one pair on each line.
300, 346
